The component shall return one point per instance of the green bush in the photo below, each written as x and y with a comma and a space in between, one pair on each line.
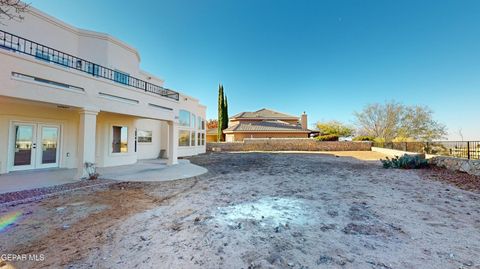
329, 137
363, 138
405, 162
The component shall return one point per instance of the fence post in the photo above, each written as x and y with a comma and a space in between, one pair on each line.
406, 146
468, 150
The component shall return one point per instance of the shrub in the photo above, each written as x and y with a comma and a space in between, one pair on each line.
363, 138
329, 137
405, 162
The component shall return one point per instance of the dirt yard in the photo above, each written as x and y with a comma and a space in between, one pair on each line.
257, 210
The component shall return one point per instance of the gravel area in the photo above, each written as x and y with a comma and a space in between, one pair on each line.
257, 210
12, 198
460, 179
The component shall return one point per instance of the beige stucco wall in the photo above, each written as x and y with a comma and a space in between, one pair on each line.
23, 112
212, 138
90, 45
242, 136
159, 138
104, 155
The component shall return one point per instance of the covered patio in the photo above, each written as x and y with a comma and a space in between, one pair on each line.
144, 170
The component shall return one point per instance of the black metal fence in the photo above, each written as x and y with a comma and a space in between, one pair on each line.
458, 149
22, 45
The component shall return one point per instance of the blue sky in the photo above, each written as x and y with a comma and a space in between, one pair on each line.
328, 58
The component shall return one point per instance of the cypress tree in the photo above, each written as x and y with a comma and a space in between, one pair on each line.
221, 104
225, 113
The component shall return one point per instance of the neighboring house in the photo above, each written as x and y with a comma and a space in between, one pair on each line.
212, 135
266, 123
70, 96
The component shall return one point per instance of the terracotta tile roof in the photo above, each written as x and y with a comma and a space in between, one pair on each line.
265, 126
264, 113
212, 131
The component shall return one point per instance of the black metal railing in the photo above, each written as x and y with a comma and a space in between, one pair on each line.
22, 45
458, 149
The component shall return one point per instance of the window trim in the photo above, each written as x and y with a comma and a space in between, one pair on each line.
111, 153
144, 143
188, 125
189, 138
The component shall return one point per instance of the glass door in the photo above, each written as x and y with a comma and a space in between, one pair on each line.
35, 146
24, 146
47, 149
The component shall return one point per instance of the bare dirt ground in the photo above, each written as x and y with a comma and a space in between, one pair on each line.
258, 210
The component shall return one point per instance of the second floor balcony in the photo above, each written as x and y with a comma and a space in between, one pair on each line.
22, 45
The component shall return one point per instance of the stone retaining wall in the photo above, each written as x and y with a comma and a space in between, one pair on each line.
289, 144
471, 167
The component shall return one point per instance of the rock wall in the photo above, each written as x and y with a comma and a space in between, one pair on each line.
471, 167
289, 144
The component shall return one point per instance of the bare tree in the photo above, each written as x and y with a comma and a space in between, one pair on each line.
460, 133
12, 9
392, 120
379, 120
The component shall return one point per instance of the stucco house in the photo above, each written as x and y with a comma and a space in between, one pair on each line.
266, 123
70, 96
212, 135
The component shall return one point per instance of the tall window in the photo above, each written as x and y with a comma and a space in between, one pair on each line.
200, 123
192, 135
120, 139
193, 121
184, 138
184, 118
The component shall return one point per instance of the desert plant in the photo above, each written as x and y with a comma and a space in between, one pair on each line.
363, 138
329, 137
91, 169
405, 162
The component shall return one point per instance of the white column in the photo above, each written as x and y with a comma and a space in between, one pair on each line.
172, 143
86, 140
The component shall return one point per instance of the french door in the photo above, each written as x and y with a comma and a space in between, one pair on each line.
35, 146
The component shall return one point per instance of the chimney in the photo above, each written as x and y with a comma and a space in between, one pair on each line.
303, 121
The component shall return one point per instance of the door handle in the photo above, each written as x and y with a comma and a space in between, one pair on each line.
34, 145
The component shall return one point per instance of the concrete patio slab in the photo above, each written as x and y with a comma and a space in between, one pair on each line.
32, 179
142, 171
152, 170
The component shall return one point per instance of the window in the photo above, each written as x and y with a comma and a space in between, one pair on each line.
203, 124
193, 121
144, 136
193, 139
183, 138
120, 139
184, 118
121, 77
199, 139
203, 139
200, 123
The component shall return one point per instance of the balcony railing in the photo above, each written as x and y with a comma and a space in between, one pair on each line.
22, 45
